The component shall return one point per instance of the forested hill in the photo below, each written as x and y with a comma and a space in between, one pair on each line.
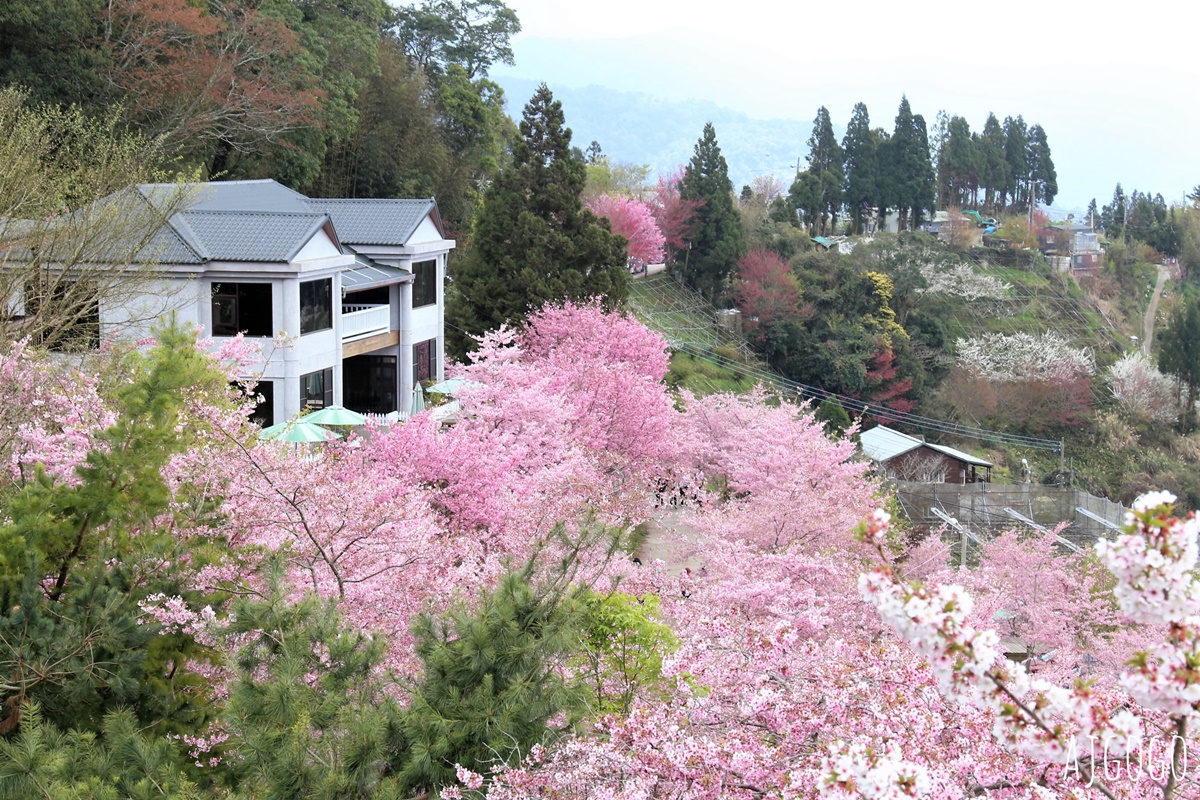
640, 129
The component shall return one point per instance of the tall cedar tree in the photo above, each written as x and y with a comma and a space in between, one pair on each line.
958, 164
534, 241
1043, 180
825, 162
911, 186
716, 239
993, 168
862, 166
1180, 354
1016, 155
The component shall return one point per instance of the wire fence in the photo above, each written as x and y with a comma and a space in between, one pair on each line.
975, 513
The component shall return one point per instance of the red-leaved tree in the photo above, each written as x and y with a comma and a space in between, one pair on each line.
766, 290
192, 75
673, 212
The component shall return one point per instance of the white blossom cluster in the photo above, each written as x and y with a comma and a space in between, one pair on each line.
1003, 357
858, 770
1141, 390
963, 281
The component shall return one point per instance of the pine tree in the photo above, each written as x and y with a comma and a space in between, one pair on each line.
492, 681
862, 166
534, 241
716, 240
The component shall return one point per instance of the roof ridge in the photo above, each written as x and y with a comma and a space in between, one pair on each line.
252, 212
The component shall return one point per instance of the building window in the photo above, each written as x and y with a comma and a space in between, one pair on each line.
242, 308
264, 409
424, 283
425, 360
63, 315
316, 389
316, 306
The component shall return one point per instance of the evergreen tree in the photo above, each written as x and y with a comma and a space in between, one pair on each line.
716, 241
1093, 214
1180, 354
77, 557
309, 713
492, 681
925, 180
993, 169
1043, 180
958, 165
1112, 217
805, 197
826, 163
910, 177
862, 166
937, 144
1016, 156
534, 241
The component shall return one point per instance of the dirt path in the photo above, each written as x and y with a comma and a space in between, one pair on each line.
667, 539
1152, 310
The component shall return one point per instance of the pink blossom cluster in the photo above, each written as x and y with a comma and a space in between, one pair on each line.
203, 749
175, 616
49, 415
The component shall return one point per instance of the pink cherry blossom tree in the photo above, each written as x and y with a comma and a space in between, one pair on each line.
633, 219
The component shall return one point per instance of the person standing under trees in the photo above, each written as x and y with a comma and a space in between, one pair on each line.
534, 241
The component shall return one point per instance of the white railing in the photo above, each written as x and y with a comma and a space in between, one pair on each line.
364, 320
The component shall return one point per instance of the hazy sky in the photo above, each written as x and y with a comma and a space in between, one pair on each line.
1118, 92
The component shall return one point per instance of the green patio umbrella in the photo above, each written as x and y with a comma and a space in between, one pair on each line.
450, 386
335, 415
297, 431
418, 401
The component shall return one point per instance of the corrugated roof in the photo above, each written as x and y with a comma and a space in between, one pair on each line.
960, 455
379, 222
369, 276
882, 443
248, 235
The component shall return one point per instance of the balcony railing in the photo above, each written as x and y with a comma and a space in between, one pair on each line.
359, 321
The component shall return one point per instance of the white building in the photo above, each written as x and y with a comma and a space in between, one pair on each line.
357, 286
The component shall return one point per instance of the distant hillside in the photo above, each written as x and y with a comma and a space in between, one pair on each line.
641, 129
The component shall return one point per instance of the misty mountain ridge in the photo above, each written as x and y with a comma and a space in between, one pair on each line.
638, 128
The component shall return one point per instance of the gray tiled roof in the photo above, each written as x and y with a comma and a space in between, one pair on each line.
262, 195
263, 220
248, 235
379, 222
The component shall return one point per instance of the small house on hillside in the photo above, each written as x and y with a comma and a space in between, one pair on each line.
908, 458
1072, 246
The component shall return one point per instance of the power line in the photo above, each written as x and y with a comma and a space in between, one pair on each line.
876, 410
